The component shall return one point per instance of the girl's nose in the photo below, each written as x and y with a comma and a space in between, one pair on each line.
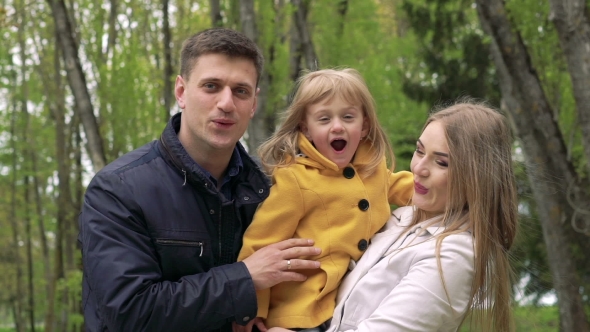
337, 126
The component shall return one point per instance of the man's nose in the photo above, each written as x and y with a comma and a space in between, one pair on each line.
226, 100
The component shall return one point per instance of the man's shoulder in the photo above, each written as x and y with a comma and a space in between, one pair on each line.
130, 160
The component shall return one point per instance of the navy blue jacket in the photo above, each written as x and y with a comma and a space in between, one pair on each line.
159, 243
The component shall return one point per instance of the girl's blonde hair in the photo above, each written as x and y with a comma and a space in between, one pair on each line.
482, 199
314, 87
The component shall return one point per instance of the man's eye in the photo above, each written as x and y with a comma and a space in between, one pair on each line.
209, 86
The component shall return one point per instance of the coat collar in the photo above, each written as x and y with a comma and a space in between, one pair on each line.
402, 217
310, 156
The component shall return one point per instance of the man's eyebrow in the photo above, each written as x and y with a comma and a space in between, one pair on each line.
442, 154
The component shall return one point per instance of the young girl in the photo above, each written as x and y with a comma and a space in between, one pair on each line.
331, 184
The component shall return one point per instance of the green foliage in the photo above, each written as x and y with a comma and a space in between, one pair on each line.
452, 58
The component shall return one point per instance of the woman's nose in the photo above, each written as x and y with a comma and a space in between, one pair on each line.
421, 168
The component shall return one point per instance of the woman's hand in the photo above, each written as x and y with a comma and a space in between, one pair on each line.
278, 329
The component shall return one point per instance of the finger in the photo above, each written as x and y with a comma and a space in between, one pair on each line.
303, 264
292, 276
261, 326
290, 243
297, 252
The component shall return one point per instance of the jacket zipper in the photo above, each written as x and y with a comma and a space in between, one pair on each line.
184, 243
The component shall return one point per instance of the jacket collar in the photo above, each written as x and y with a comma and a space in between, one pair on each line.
403, 217
172, 150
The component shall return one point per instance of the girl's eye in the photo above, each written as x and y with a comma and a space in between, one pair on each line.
442, 163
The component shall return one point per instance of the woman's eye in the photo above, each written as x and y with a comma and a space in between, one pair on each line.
442, 163
418, 151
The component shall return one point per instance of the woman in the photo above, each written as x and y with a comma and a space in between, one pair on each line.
448, 253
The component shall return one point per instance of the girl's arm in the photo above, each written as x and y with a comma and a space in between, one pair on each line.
401, 188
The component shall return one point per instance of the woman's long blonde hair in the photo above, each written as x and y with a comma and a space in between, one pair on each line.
316, 86
482, 199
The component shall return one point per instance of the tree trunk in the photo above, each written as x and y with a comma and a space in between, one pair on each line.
342, 10
30, 274
24, 98
257, 130
216, 18
571, 22
303, 35
77, 82
168, 71
545, 153
15, 252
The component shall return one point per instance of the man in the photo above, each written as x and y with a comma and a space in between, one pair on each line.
161, 227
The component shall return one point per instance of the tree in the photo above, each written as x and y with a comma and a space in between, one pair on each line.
544, 146
77, 82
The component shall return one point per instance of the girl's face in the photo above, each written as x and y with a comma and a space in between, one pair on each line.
430, 165
335, 127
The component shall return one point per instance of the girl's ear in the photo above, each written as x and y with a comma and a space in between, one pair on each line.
305, 130
365, 130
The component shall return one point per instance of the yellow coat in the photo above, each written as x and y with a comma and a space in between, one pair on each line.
314, 199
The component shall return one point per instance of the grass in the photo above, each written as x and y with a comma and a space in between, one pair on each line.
533, 319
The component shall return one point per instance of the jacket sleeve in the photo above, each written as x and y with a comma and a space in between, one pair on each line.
275, 220
122, 271
419, 302
401, 188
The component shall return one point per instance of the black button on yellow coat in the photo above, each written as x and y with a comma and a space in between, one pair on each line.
363, 244
363, 205
348, 172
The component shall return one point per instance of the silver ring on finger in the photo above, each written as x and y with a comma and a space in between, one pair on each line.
288, 264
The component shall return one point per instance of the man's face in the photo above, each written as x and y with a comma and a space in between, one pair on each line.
218, 99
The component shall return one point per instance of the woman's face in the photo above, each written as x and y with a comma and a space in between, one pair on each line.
430, 165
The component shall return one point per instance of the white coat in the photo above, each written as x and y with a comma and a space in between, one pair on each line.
396, 285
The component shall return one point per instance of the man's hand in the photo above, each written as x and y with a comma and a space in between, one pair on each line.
276, 263
248, 327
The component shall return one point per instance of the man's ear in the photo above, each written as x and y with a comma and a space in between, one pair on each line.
179, 88
255, 103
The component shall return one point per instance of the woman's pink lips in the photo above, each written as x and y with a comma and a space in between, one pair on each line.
418, 188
